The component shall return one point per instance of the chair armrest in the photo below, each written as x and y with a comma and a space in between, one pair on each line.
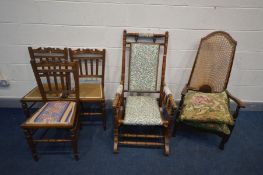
169, 102
117, 100
236, 100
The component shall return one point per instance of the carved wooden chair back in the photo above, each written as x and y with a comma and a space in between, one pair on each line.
57, 80
48, 54
213, 63
91, 63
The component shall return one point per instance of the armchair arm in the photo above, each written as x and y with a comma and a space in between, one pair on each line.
169, 102
118, 97
239, 103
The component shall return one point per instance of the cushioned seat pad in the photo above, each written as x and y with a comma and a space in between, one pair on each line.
206, 108
222, 128
56, 112
142, 110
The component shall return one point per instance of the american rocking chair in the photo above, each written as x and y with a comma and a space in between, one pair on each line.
205, 101
142, 94
58, 113
91, 75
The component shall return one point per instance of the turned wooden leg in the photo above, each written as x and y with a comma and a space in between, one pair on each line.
31, 144
104, 117
166, 141
116, 140
25, 109
74, 138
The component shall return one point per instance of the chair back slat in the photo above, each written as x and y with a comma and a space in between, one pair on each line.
213, 63
91, 63
57, 80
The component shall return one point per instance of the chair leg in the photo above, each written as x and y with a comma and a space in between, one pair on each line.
74, 139
25, 109
31, 144
166, 141
116, 140
103, 114
223, 141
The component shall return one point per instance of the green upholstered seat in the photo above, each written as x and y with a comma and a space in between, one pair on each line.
142, 110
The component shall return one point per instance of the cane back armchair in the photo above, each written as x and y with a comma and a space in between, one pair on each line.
205, 101
91, 74
37, 55
59, 113
142, 94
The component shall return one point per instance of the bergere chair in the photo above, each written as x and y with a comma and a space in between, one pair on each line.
59, 112
37, 55
142, 94
91, 74
205, 101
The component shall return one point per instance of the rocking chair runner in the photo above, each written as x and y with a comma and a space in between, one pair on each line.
91, 71
205, 101
143, 72
60, 112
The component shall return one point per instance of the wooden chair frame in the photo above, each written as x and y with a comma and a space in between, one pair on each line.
90, 61
207, 89
166, 100
59, 72
40, 54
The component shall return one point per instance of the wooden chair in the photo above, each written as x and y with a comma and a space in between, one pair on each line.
142, 94
205, 100
37, 55
59, 112
91, 74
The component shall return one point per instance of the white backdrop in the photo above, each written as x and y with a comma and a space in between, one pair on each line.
99, 24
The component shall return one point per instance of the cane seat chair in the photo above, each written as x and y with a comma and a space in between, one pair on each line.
37, 55
205, 101
59, 113
142, 96
91, 75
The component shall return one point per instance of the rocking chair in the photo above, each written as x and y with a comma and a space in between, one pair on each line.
142, 96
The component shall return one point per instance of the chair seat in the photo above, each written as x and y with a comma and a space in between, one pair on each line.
206, 108
35, 95
89, 91
142, 110
53, 113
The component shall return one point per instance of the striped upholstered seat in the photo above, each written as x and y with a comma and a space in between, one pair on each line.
53, 113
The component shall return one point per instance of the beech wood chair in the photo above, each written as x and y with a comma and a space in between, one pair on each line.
59, 112
37, 55
142, 96
205, 100
91, 74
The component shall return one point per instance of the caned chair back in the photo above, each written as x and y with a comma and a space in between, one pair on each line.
144, 62
91, 63
213, 63
57, 80
48, 54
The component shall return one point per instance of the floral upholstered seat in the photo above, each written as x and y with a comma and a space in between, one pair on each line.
207, 110
142, 110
